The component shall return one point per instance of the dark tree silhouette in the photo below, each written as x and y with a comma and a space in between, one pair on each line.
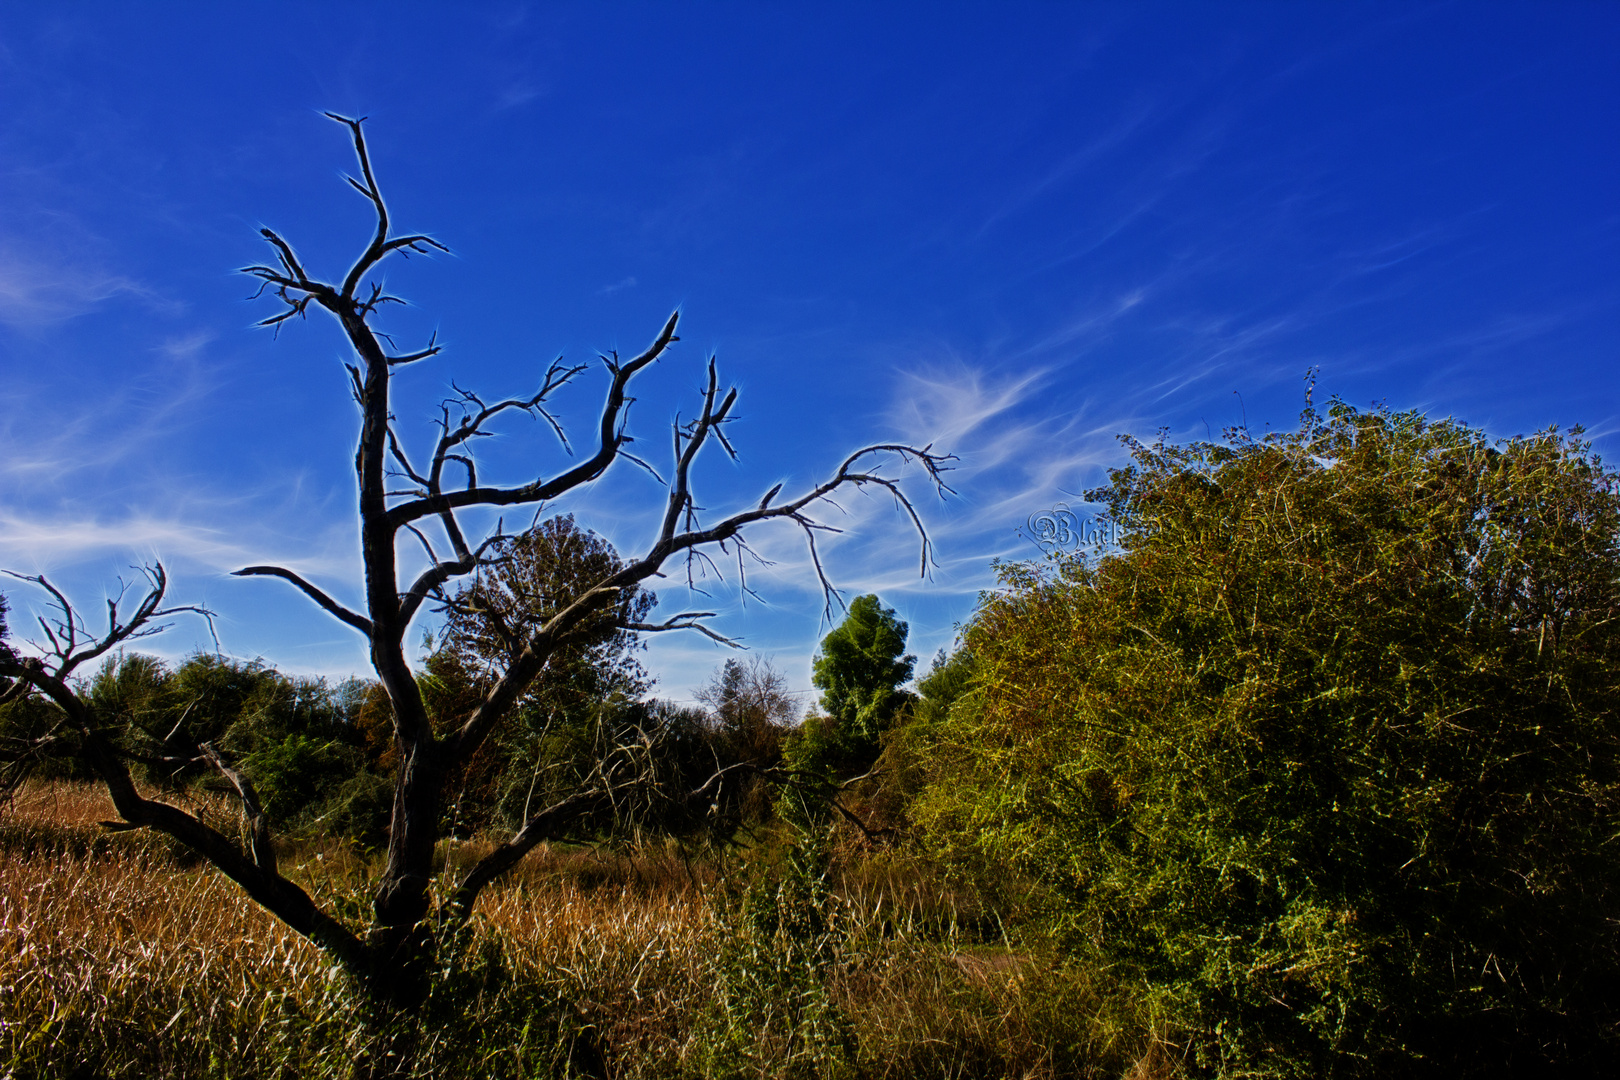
420, 500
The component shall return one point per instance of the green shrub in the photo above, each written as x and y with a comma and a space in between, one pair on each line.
299, 740
773, 1014
1322, 765
299, 773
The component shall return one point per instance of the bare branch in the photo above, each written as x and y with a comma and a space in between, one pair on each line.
699, 556
433, 578
611, 438
399, 456
471, 466
141, 623
472, 423
329, 605
432, 349
868, 833
686, 620
828, 594
680, 496
492, 613
634, 460
296, 278
19, 689
548, 824
381, 245
259, 839
530, 659
693, 539
426, 545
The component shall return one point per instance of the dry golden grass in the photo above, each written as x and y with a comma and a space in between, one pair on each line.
119, 959
59, 804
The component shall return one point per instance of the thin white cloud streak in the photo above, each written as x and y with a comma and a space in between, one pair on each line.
46, 446
43, 544
1087, 157
37, 291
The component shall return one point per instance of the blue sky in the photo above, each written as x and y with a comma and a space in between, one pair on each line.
1013, 230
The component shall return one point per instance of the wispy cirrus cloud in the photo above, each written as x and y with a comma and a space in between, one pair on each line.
1138, 116
38, 290
47, 446
43, 542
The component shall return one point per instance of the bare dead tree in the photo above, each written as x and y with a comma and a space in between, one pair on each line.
431, 498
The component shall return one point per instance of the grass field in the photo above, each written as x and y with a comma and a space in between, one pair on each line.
121, 957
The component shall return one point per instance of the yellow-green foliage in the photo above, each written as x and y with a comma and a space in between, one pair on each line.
1321, 766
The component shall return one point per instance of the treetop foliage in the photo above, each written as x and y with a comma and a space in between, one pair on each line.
860, 668
530, 578
1325, 762
534, 575
750, 705
949, 677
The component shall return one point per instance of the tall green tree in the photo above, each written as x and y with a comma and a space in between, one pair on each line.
861, 669
1324, 765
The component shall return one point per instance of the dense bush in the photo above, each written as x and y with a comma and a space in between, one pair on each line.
1322, 765
299, 740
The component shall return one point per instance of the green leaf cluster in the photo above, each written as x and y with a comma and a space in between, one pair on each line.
300, 740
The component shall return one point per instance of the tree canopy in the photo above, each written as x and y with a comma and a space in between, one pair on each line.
550, 742
860, 669
1325, 762
530, 578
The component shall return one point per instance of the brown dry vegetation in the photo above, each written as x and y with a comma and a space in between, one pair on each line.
121, 958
